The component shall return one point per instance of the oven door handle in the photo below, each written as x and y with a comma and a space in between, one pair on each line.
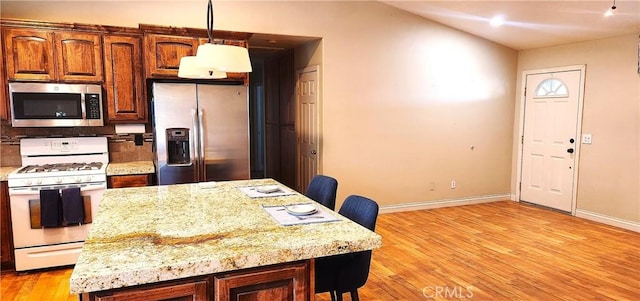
31, 191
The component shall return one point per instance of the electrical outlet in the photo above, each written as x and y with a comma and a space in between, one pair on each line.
432, 185
586, 138
453, 184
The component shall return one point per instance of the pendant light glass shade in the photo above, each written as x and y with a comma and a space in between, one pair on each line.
226, 58
214, 60
191, 68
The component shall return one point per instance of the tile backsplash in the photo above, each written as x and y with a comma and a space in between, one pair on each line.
121, 146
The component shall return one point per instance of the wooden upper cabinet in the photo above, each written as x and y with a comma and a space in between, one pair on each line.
47, 55
125, 97
78, 56
163, 53
29, 54
4, 90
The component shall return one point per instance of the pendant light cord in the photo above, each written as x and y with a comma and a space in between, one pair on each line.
210, 21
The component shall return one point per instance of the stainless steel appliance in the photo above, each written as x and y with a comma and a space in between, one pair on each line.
51, 104
201, 132
55, 166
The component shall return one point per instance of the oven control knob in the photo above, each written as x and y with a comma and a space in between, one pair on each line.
89, 178
78, 179
39, 182
58, 180
28, 182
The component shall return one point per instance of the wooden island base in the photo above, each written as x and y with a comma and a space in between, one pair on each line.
193, 242
291, 281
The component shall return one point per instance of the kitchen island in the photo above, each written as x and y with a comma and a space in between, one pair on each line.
207, 242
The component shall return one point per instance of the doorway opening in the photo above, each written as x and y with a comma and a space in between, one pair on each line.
272, 115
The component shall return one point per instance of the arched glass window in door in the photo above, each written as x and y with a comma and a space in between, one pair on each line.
551, 87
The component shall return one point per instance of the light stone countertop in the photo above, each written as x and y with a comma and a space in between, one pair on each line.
6, 170
158, 233
130, 168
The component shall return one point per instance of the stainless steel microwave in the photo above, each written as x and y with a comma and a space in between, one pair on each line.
51, 104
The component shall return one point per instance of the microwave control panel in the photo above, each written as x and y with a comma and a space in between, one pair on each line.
93, 106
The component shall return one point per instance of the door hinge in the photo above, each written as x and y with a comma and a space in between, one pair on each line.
525, 91
522, 139
520, 186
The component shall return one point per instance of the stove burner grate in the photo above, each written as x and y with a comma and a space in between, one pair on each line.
61, 167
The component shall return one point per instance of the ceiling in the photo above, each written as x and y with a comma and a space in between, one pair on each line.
263, 46
532, 24
528, 24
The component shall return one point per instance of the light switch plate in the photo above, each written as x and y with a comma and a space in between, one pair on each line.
586, 138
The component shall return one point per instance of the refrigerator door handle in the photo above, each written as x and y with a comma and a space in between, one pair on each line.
201, 156
195, 145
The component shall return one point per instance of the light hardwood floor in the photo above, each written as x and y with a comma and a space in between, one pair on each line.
493, 251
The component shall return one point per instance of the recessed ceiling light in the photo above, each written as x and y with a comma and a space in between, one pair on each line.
497, 21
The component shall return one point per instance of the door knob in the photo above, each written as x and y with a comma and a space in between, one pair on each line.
313, 152
571, 140
570, 151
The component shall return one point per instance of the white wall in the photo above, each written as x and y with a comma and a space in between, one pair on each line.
404, 99
609, 169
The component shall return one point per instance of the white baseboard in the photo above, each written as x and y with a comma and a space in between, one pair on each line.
608, 220
443, 203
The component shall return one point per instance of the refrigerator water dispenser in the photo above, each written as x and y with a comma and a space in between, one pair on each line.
178, 146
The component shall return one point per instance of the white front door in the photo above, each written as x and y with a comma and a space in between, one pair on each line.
551, 136
307, 126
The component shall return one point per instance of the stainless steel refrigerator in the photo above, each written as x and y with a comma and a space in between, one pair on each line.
201, 132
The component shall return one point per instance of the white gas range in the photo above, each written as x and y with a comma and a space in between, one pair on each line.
53, 197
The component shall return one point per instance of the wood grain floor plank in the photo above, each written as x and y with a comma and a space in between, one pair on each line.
492, 251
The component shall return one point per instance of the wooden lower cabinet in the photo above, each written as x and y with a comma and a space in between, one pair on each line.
194, 290
6, 235
281, 282
128, 181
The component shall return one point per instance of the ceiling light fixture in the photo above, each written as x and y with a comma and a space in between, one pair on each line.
609, 12
213, 61
496, 21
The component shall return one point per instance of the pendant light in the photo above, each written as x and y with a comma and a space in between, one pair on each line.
189, 68
610, 11
212, 61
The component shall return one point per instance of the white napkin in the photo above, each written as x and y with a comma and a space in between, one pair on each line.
254, 192
281, 216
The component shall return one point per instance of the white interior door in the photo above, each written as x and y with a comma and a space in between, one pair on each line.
307, 126
551, 138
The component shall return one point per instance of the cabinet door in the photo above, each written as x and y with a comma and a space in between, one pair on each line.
163, 54
128, 181
123, 79
78, 56
289, 282
196, 291
4, 88
29, 54
6, 236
